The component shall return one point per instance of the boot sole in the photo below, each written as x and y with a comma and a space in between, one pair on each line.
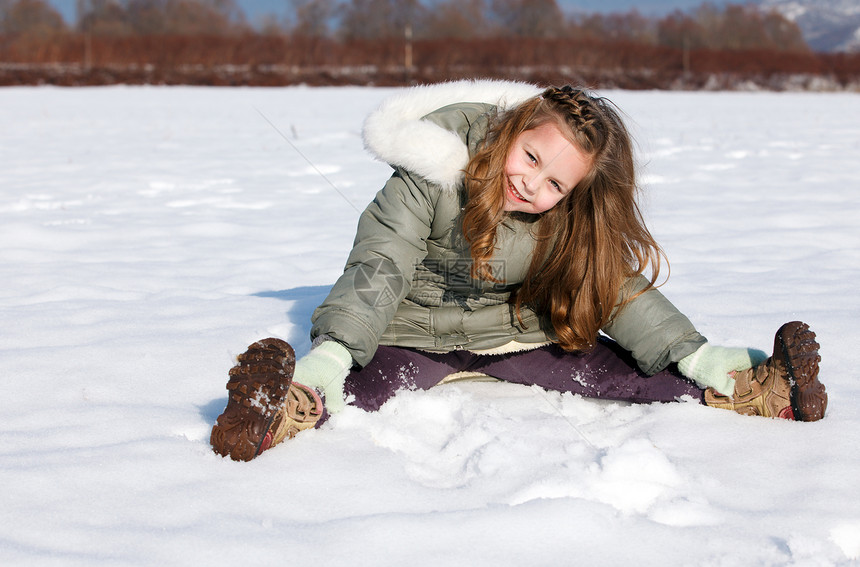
797, 348
258, 388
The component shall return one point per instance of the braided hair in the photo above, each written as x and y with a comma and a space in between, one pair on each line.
591, 242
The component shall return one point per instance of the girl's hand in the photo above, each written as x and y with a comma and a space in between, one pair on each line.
715, 366
325, 368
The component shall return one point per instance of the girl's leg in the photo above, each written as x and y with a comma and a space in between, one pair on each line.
396, 368
607, 372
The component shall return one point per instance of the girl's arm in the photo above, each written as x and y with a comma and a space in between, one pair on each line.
657, 334
654, 331
390, 242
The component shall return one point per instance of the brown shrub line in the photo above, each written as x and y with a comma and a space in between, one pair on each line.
255, 59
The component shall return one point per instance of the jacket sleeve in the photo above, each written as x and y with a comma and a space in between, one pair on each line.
390, 242
654, 331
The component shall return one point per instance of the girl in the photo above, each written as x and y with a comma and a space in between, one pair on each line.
506, 240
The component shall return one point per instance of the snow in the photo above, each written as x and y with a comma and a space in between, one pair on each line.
148, 234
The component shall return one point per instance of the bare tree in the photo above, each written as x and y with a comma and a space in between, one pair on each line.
229, 9
102, 17
529, 18
156, 17
311, 17
192, 17
680, 31
30, 17
631, 26
737, 26
147, 17
461, 19
271, 25
784, 33
5, 6
708, 22
380, 19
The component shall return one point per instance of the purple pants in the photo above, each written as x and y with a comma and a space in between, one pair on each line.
607, 372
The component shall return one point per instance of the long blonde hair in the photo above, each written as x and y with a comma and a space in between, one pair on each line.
592, 241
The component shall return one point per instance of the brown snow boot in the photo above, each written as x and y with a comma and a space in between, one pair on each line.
800, 359
785, 385
258, 389
303, 410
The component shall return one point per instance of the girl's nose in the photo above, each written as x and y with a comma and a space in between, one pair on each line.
529, 183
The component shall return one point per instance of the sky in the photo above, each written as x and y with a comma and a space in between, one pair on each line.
254, 9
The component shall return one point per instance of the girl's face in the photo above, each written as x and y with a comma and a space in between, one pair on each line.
542, 167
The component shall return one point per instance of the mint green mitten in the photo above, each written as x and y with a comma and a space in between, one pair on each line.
710, 366
325, 368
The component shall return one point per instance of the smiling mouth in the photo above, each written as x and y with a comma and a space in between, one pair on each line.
516, 193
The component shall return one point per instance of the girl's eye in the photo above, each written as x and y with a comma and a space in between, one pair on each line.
556, 185
531, 157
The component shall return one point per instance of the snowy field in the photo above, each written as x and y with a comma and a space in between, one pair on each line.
147, 235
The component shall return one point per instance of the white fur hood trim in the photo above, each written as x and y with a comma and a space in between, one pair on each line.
394, 132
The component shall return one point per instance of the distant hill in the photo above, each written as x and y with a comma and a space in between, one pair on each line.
827, 25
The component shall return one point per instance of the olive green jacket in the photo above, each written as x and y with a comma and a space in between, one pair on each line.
407, 279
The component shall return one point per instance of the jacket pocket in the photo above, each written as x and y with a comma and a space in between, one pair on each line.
410, 327
530, 320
